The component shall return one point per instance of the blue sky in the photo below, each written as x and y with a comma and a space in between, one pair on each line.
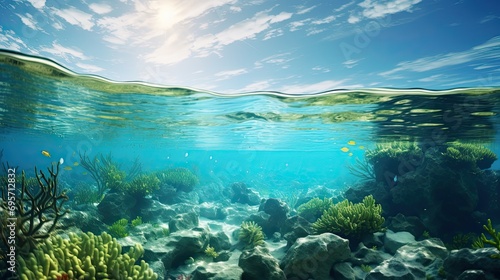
289, 46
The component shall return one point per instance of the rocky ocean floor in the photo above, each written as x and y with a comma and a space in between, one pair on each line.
175, 236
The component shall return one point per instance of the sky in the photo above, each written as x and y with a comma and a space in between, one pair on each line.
290, 46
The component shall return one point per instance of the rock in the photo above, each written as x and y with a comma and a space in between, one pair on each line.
472, 275
212, 212
343, 271
395, 240
374, 240
277, 211
410, 224
258, 264
367, 256
295, 227
242, 194
183, 221
313, 256
468, 259
417, 260
220, 241
156, 212
180, 246
217, 271
115, 206
86, 218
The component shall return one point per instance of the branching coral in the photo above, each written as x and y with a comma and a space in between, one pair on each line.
36, 213
351, 220
143, 184
119, 228
84, 256
314, 208
495, 242
251, 234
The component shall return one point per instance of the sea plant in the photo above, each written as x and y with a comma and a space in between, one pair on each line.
495, 241
36, 211
84, 256
314, 208
469, 155
182, 179
210, 252
119, 228
136, 222
351, 220
251, 234
143, 184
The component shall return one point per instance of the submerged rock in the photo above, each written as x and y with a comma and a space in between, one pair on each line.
313, 256
258, 264
240, 193
464, 260
395, 240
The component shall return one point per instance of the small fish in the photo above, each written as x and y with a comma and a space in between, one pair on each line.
344, 149
352, 143
76, 163
61, 161
395, 181
361, 147
350, 154
68, 168
45, 153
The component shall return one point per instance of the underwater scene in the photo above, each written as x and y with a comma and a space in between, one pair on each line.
110, 180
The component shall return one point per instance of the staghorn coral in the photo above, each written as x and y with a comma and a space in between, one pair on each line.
495, 242
84, 256
469, 155
182, 179
251, 234
351, 220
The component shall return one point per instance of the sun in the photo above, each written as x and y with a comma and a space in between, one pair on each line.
167, 15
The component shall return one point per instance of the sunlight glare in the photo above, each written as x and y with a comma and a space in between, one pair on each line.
167, 15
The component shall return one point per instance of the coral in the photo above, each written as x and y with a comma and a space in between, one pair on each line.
210, 252
137, 221
119, 228
251, 234
495, 242
143, 185
351, 220
469, 155
84, 256
314, 208
37, 210
182, 179
113, 178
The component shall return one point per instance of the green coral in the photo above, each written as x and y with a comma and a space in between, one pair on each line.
182, 179
84, 256
495, 242
351, 220
469, 155
251, 234
113, 178
143, 185
210, 252
137, 221
119, 228
314, 208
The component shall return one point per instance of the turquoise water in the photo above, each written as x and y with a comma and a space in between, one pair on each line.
278, 144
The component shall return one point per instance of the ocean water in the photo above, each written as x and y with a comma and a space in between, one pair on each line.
277, 144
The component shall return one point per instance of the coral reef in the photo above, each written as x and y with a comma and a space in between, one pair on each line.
495, 242
37, 211
351, 220
119, 228
84, 256
468, 155
143, 184
251, 234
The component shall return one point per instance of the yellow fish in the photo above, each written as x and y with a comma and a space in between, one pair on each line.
362, 147
344, 149
76, 163
352, 143
68, 168
45, 153
350, 154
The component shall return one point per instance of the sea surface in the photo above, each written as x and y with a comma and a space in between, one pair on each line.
272, 141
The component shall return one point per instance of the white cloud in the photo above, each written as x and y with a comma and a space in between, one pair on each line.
28, 20
353, 19
295, 25
9, 40
100, 8
257, 86
341, 8
64, 52
432, 78
381, 8
37, 3
235, 9
321, 69
304, 10
75, 17
223, 75
351, 63
89, 68
490, 50
323, 21
273, 33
